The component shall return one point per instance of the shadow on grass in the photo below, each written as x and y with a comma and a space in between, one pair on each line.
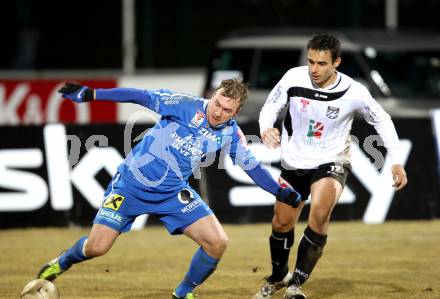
327, 287
229, 293
315, 288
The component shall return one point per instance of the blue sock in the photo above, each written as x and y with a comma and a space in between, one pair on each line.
202, 265
73, 255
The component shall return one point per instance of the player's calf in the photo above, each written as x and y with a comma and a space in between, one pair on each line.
310, 250
57, 266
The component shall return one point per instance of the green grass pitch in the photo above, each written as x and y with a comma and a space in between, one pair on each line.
398, 259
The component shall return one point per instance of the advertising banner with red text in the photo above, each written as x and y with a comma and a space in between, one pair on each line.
36, 101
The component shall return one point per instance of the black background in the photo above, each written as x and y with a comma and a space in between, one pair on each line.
86, 34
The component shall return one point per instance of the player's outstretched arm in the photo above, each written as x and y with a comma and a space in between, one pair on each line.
263, 179
79, 94
242, 156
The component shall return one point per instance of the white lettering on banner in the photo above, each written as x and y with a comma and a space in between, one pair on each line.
58, 169
378, 183
54, 106
8, 109
435, 115
83, 175
139, 222
252, 195
33, 110
33, 188
75, 149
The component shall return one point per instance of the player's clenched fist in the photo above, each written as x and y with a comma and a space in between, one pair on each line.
77, 93
271, 137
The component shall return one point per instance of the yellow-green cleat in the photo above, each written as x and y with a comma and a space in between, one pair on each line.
51, 270
187, 296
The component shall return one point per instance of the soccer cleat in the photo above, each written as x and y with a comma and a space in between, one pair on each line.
269, 288
187, 296
294, 292
51, 270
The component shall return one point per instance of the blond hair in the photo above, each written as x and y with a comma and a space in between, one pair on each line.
234, 89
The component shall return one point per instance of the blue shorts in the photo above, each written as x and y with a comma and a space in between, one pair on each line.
177, 210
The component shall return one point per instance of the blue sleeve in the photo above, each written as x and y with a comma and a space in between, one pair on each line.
263, 179
239, 151
162, 101
128, 95
243, 157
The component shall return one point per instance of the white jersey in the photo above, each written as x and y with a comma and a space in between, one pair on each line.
317, 126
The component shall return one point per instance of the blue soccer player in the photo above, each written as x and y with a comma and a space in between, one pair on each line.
153, 179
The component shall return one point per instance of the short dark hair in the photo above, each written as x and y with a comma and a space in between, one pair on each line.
325, 42
235, 89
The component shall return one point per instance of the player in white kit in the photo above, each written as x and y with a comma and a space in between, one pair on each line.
315, 154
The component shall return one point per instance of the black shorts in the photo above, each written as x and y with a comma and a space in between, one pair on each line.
302, 179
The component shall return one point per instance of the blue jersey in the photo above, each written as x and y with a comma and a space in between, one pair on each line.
153, 179
179, 143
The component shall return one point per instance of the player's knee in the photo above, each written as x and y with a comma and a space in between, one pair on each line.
320, 217
222, 242
95, 249
219, 244
319, 224
281, 224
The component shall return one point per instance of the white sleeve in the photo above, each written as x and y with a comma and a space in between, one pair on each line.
376, 116
275, 102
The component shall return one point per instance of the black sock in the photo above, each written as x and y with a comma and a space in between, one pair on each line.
309, 251
280, 244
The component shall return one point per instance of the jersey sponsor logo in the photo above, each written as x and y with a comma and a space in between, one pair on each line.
185, 196
304, 104
371, 111
191, 206
113, 201
321, 95
187, 146
211, 136
171, 101
332, 112
111, 216
197, 120
316, 129
336, 169
314, 142
276, 95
